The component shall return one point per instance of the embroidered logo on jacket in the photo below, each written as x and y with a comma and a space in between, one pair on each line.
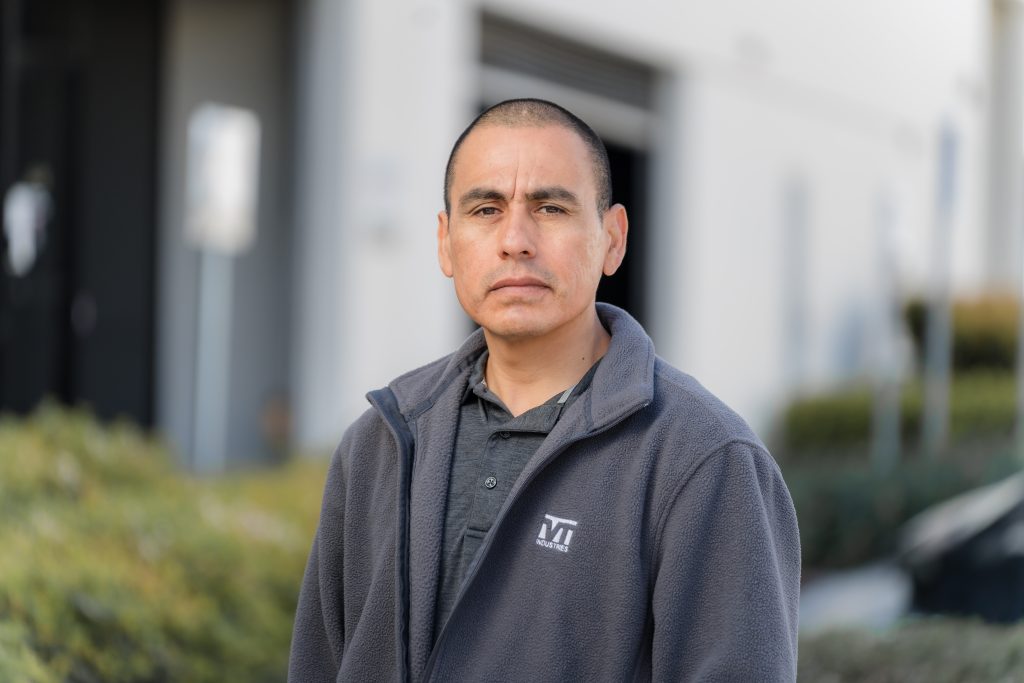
556, 533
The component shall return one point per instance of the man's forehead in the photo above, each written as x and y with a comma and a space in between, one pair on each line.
491, 148
491, 133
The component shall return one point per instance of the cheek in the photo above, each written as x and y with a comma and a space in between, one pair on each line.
591, 259
466, 252
465, 276
465, 296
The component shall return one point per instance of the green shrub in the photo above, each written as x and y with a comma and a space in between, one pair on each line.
118, 568
18, 662
982, 395
933, 650
982, 404
839, 420
984, 331
849, 513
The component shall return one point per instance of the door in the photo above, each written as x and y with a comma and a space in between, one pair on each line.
78, 130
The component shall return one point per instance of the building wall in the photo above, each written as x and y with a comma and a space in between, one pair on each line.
780, 287
789, 136
323, 62
371, 241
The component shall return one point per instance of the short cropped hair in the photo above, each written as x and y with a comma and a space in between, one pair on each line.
528, 112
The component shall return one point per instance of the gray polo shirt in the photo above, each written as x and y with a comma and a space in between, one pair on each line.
491, 449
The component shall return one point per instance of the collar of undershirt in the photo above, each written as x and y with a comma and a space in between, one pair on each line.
539, 418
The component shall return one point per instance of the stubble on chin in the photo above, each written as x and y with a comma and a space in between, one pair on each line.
513, 320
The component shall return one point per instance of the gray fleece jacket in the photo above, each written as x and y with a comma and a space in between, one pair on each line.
650, 537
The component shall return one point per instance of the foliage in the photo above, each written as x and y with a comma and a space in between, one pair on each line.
17, 660
981, 404
982, 396
850, 513
984, 331
933, 650
118, 568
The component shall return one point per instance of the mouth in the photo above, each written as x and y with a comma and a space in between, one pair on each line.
521, 284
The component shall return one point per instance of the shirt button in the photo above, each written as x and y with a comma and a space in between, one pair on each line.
504, 435
490, 482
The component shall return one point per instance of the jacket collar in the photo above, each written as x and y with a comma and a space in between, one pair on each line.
624, 380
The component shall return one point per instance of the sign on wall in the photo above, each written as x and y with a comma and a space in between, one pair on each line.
222, 178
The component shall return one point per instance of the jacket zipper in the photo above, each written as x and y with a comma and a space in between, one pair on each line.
482, 554
386, 404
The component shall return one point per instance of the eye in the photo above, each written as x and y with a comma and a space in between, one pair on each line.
486, 211
551, 209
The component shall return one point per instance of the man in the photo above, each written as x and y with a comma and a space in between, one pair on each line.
551, 502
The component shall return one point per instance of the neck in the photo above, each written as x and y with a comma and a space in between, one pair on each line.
526, 372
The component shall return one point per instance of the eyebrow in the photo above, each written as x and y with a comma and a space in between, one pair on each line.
555, 192
480, 194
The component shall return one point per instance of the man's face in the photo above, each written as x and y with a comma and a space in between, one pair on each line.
525, 243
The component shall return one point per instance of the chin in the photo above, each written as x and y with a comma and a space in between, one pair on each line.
516, 333
515, 326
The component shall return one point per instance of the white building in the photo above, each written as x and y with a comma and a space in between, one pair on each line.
786, 163
792, 151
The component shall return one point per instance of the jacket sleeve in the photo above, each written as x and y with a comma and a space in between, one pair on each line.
318, 638
727, 573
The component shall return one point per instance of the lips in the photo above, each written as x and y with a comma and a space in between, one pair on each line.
518, 282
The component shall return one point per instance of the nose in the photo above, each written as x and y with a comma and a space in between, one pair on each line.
517, 237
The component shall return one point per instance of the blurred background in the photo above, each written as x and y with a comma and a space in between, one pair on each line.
219, 232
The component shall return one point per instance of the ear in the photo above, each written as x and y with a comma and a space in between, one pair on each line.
616, 226
444, 248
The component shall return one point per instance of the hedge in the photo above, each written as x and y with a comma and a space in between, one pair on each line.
116, 567
849, 513
932, 650
983, 399
982, 404
18, 661
984, 334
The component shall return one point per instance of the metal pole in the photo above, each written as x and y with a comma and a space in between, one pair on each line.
886, 439
213, 363
938, 342
1019, 421
1008, 171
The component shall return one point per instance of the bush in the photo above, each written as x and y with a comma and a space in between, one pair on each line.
933, 650
18, 662
982, 404
849, 513
984, 331
118, 568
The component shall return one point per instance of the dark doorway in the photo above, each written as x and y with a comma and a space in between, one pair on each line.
78, 121
625, 289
